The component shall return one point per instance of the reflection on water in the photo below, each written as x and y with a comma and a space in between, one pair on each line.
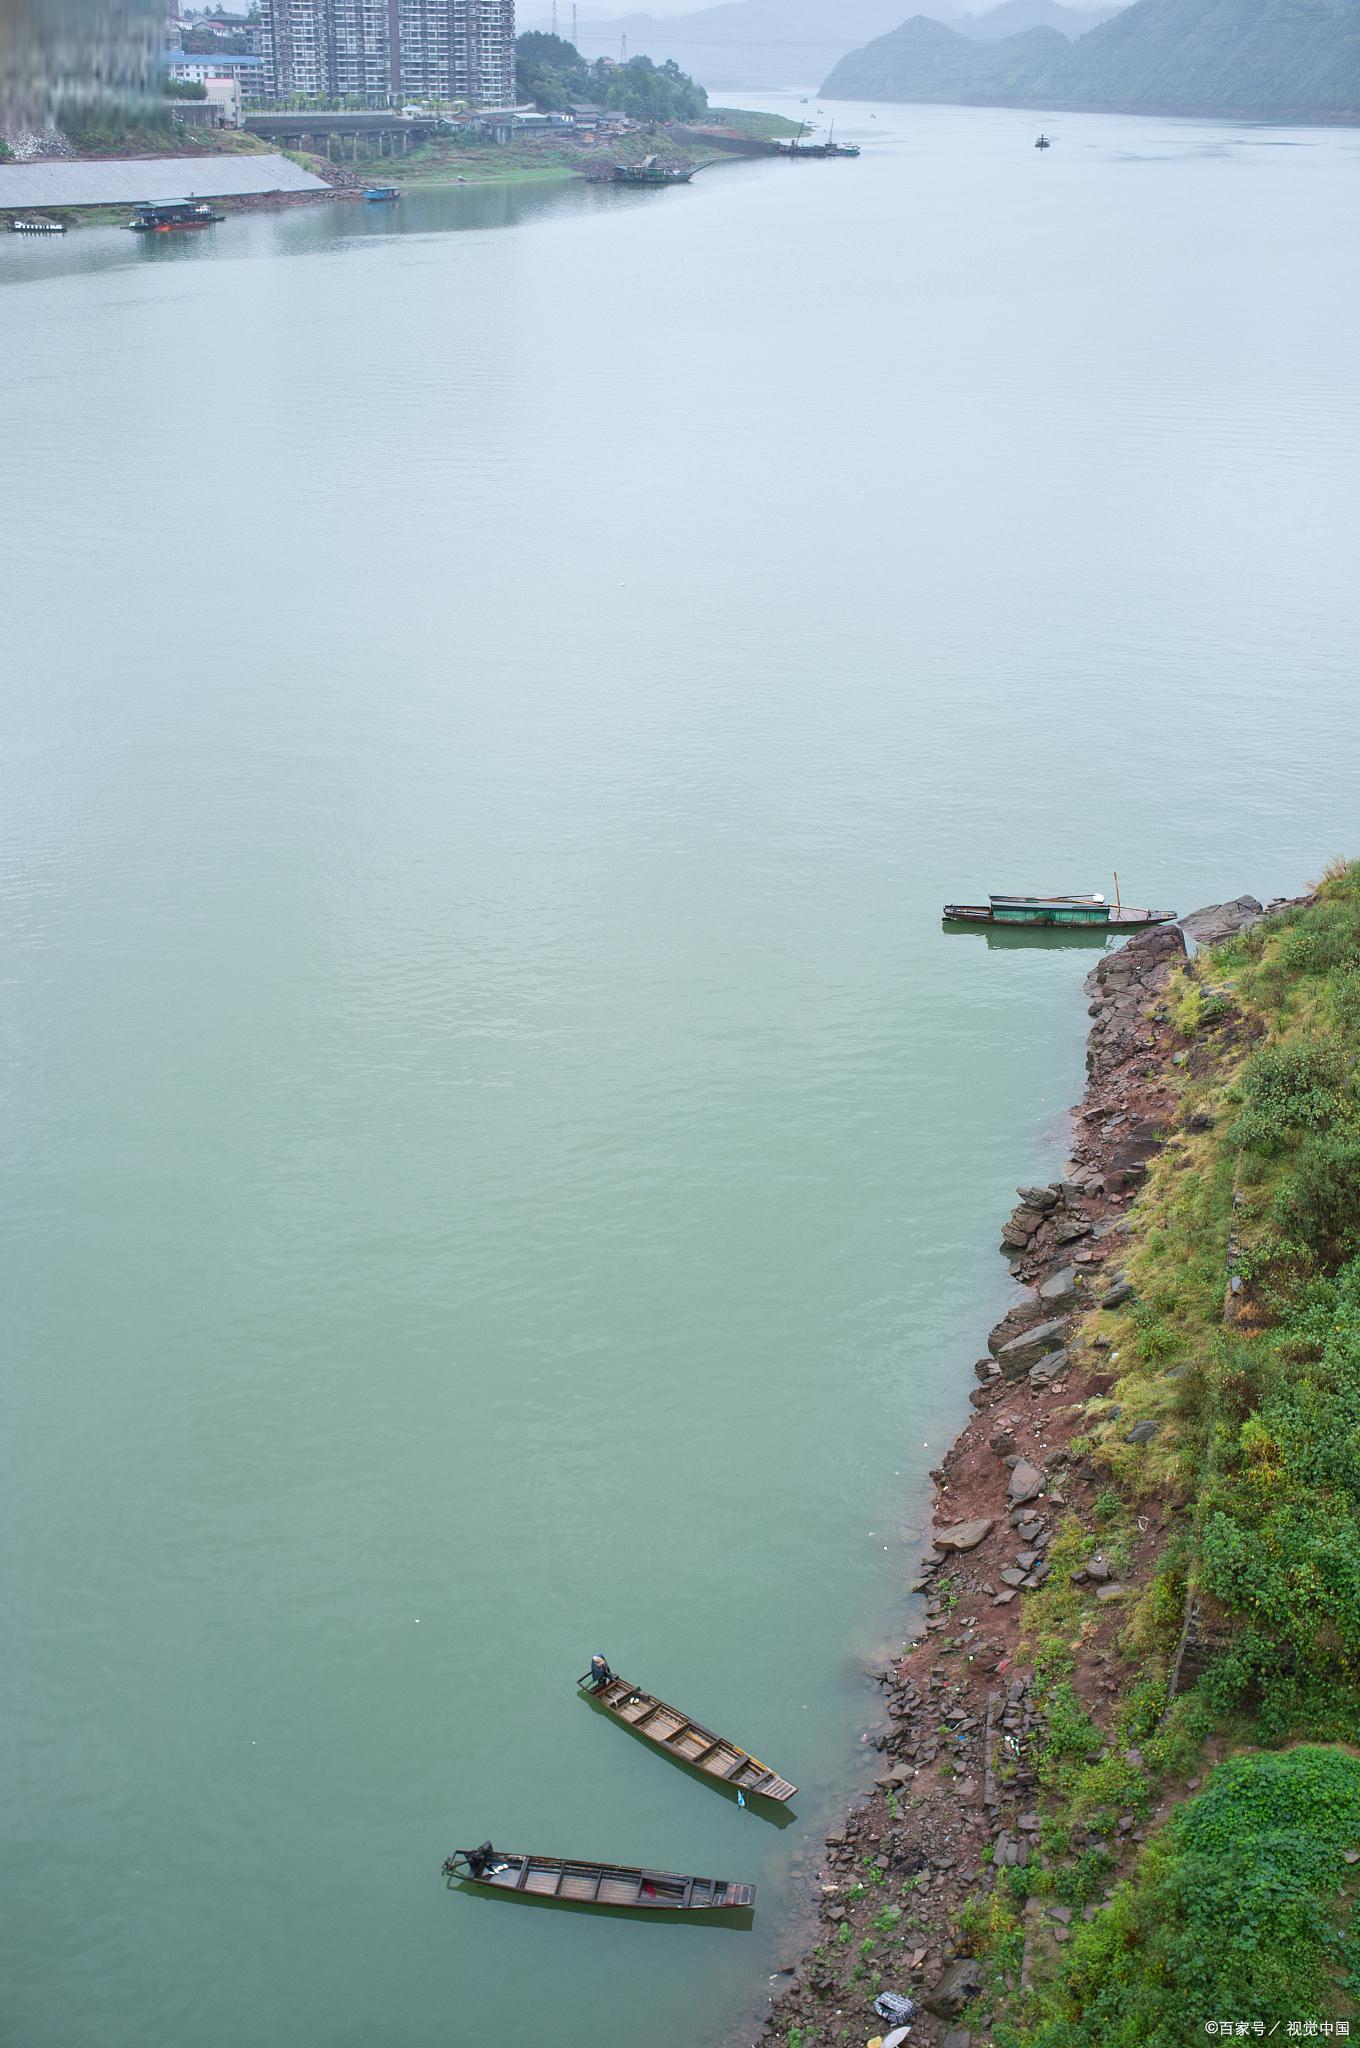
325, 225
1031, 939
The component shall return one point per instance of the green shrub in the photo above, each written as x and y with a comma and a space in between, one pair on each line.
1343, 1000
1327, 938
1320, 1202
1072, 1734
1291, 1087
1231, 1911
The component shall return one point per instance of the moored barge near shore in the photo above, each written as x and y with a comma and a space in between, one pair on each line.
171, 215
651, 171
1070, 913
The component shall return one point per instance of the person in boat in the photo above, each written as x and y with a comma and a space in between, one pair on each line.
479, 1861
600, 1673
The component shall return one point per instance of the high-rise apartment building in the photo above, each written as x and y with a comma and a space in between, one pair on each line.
359, 50
378, 51
484, 52
296, 61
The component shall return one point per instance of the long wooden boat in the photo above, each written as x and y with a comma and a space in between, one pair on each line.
598, 1884
1069, 913
669, 1729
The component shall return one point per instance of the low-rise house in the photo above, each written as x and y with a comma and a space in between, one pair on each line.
196, 67
225, 94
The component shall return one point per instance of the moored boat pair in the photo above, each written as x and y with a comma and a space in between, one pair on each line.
582, 1882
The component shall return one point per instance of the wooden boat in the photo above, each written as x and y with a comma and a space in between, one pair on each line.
382, 195
1066, 913
596, 1884
726, 1762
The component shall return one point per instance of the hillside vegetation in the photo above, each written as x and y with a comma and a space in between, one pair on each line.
553, 74
1287, 59
1240, 1350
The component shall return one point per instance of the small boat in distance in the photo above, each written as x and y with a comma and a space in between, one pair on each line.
169, 215
1043, 143
37, 227
596, 1884
1079, 913
666, 1727
381, 195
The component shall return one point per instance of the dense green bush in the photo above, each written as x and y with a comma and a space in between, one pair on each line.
1231, 1913
1327, 937
1280, 1539
1320, 1201
1297, 1085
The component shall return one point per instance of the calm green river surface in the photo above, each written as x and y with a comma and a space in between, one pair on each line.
499, 1158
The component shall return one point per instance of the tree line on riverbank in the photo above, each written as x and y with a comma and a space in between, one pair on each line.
553, 74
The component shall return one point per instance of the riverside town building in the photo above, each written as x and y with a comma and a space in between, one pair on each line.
381, 52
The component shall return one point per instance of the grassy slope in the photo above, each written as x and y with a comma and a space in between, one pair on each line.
756, 127
449, 161
1240, 1904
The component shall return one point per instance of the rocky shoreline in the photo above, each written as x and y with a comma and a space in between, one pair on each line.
956, 1794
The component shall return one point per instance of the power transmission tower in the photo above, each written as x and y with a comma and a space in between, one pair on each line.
574, 44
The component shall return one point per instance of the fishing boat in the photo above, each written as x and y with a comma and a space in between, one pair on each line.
1065, 913
172, 215
37, 227
667, 1728
651, 171
381, 195
1043, 143
596, 1884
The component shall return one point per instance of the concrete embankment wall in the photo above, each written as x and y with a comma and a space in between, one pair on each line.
113, 181
731, 145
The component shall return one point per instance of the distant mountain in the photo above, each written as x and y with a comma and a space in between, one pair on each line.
1271, 59
1013, 17
762, 44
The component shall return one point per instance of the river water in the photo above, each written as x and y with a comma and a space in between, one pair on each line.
499, 1159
